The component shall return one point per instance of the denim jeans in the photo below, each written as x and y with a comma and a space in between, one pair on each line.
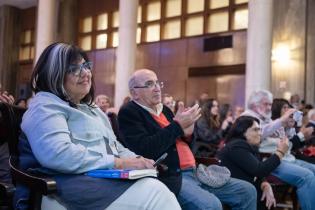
236, 193
298, 174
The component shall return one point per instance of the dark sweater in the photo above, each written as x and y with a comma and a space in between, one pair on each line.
244, 163
143, 135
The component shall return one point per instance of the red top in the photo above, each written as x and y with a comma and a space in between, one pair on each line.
186, 158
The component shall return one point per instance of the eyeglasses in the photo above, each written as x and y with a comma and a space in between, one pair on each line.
151, 84
76, 69
256, 129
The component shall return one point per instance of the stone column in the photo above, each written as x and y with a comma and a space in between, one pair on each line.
259, 42
126, 50
10, 27
47, 14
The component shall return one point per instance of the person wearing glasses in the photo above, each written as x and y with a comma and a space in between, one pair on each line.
69, 135
150, 129
241, 156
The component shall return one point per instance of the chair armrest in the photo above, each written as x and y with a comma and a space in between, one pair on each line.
207, 161
42, 184
7, 190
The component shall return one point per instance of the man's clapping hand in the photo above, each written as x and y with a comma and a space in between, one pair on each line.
186, 117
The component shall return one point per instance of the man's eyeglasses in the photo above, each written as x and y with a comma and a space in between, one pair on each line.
76, 69
151, 84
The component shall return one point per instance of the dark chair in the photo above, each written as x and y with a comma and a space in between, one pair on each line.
207, 161
6, 187
204, 149
38, 185
6, 195
114, 123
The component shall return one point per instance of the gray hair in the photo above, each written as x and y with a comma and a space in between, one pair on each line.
256, 97
132, 82
102, 96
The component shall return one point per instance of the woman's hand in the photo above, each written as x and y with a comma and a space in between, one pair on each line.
133, 163
283, 147
268, 195
286, 116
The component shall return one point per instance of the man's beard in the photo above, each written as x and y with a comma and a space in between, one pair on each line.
265, 115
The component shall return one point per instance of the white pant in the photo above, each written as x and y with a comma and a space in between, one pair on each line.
145, 194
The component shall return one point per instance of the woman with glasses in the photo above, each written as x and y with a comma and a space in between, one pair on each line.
240, 156
70, 136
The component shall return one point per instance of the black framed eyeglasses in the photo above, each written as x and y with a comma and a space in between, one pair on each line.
76, 69
151, 84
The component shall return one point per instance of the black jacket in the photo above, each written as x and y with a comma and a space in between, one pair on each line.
143, 135
243, 161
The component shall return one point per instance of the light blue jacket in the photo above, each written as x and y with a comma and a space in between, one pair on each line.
70, 140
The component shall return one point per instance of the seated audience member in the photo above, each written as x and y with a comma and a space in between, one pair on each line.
69, 136
291, 170
238, 110
240, 156
150, 129
297, 140
225, 111
295, 101
311, 117
103, 102
311, 123
305, 111
202, 98
208, 127
176, 105
169, 102
278, 109
5, 175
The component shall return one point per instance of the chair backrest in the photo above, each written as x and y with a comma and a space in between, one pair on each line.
114, 123
12, 117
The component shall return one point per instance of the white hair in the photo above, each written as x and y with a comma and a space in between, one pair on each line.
257, 96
